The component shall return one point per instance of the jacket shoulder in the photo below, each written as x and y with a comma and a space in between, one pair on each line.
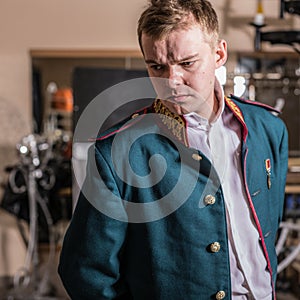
254, 103
124, 124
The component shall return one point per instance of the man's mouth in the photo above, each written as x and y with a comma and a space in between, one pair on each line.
177, 98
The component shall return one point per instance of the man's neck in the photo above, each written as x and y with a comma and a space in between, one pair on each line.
215, 108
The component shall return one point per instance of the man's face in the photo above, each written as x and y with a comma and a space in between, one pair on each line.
182, 67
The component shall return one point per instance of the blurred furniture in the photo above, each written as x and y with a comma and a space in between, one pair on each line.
273, 79
13, 249
279, 37
292, 190
288, 244
294, 254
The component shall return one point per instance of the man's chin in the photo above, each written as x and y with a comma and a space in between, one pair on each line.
176, 107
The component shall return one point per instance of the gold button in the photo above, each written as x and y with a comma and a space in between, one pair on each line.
196, 156
134, 116
209, 200
220, 295
215, 247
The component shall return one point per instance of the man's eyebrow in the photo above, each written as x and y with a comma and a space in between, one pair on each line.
193, 56
151, 61
187, 58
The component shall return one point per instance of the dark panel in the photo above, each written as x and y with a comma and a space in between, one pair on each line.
88, 83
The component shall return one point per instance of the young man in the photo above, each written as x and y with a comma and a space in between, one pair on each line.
225, 162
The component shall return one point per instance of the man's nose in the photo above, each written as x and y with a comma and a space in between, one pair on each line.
175, 77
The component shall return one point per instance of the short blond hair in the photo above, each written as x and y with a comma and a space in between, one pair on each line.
164, 16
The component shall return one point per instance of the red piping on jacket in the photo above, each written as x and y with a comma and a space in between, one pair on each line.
237, 112
258, 226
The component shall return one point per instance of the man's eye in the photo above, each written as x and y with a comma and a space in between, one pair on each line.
187, 63
157, 67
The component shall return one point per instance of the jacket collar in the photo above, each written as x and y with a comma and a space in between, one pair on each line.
173, 122
238, 114
177, 125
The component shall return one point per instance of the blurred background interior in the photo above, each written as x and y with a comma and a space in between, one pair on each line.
55, 57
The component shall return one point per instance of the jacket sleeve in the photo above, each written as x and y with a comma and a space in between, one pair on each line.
89, 264
284, 154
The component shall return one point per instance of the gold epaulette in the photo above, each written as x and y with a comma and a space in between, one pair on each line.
239, 115
235, 109
173, 122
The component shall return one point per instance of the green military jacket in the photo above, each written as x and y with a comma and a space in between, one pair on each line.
150, 222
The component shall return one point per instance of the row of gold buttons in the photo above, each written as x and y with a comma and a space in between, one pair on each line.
214, 247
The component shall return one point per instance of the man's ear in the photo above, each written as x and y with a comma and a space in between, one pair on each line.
221, 53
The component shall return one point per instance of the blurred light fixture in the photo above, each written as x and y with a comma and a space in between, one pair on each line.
239, 87
221, 74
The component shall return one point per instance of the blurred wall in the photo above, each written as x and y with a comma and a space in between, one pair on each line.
61, 24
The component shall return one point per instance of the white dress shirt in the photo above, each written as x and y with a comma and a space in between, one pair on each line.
220, 141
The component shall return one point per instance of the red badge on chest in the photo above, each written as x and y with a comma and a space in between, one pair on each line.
268, 170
